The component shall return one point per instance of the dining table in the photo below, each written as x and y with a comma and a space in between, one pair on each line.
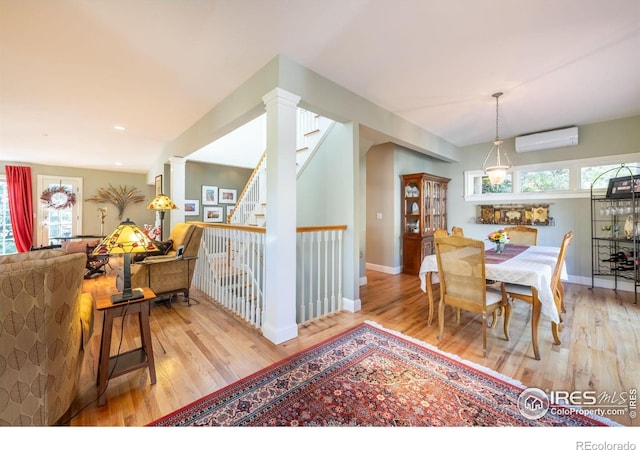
528, 265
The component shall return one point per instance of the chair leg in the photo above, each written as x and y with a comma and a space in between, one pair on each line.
507, 320
484, 334
555, 330
440, 319
535, 319
494, 318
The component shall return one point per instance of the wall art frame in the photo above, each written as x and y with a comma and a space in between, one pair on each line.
158, 184
209, 195
213, 214
228, 196
192, 207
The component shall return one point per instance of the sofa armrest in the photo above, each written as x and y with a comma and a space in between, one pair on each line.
87, 308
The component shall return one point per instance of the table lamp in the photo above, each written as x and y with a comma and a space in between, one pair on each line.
162, 203
127, 238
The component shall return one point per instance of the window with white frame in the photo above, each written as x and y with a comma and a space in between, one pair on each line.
560, 179
7, 243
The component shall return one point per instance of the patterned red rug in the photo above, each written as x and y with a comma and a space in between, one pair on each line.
368, 376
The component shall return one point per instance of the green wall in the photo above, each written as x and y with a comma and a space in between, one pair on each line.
614, 137
201, 174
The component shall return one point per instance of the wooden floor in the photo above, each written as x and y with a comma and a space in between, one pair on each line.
201, 348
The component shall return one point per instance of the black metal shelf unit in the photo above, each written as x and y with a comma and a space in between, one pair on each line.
615, 228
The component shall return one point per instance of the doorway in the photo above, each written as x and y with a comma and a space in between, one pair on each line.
60, 216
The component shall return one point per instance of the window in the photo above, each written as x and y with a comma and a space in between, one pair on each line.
588, 174
544, 180
7, 243
561, 179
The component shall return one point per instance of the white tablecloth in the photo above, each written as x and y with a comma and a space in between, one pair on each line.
533, 267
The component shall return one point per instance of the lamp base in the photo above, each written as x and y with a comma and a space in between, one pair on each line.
122, 297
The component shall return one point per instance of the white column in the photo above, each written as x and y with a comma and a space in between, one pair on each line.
176, 192
280, 258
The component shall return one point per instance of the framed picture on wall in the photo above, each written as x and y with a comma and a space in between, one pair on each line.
158, 185
209, 195
228, 195
192, 207
213, 214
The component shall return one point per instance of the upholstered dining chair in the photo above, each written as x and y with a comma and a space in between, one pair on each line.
440, 232
530, 295
522, 235
457, 231
461, 269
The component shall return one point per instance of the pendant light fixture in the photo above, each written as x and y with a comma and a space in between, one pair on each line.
498, 172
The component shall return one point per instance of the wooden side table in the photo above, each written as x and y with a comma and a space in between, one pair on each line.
116, 365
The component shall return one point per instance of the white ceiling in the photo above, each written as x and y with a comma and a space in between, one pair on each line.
72, 69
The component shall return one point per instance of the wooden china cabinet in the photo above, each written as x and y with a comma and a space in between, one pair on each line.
424, 209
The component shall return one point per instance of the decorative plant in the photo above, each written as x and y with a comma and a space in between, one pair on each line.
121, 197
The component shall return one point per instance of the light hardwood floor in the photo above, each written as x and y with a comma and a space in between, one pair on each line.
202, 348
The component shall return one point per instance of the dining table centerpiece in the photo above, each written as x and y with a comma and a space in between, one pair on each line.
499, 238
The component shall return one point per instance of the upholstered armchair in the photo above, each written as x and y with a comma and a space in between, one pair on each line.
45, 323
170, 274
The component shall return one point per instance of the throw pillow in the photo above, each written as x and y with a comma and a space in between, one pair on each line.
163, 249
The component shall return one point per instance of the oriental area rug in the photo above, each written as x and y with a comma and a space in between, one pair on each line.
371, 376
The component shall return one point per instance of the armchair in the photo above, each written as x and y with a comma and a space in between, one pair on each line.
46, 322
170, 274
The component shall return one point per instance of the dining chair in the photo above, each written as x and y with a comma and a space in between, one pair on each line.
461, 270
530, 295
440, 232
521, 235
457, 231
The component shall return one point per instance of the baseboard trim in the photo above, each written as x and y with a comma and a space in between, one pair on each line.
384, 269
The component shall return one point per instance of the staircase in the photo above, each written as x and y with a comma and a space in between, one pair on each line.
251, 208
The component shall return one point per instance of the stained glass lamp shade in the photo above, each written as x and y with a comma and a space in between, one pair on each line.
127, 238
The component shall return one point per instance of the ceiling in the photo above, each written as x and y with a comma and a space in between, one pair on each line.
71, 70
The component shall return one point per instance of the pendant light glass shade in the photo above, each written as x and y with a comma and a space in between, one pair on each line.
497, 173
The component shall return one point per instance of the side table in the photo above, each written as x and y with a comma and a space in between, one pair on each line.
116, 365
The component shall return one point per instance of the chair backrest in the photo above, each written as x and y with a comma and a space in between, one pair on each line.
461, 269
555, 277
187, 234
521, 235
457, 231
440, 232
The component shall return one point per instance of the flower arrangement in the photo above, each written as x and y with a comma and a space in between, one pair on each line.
499, 236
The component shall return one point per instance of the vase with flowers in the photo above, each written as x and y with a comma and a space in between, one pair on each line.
499, 238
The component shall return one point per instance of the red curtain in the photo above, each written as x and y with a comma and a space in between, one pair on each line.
20, 205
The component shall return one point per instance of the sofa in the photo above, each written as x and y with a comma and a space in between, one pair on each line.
171, 273
46, 322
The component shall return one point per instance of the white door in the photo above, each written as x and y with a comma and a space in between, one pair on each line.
60, 216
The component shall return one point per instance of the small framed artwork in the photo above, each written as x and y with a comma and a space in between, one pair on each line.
213, 214
192, 207
228, 195
209, 195
158, 185
623, 187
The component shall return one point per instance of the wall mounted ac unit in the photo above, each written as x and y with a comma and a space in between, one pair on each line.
564, 137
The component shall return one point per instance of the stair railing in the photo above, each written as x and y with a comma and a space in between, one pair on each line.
233, 273
251, 195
